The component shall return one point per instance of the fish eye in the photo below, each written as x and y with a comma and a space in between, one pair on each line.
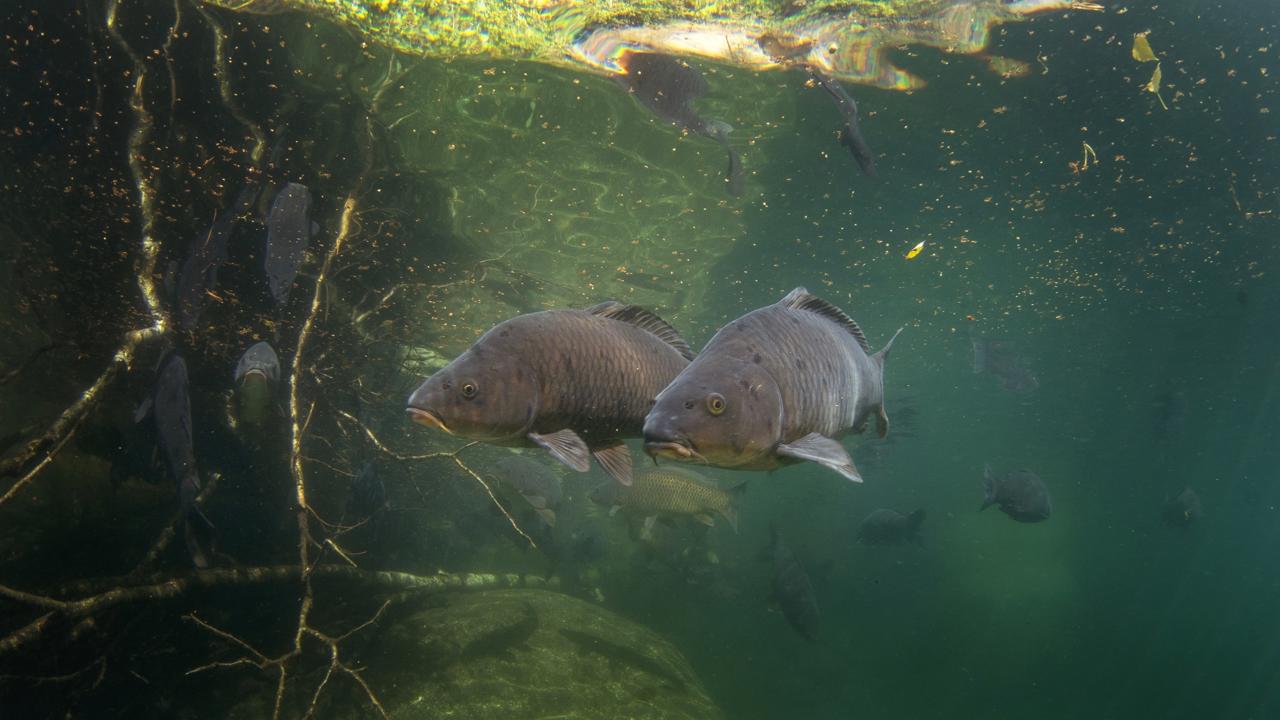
715, 403
469, 390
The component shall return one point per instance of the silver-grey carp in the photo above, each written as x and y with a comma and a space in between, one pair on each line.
1020, 494
890, 527
256, 378
792, 589
575, 382
778, 385
289, 230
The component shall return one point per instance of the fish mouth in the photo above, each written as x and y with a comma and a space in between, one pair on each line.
427, 418
679, 449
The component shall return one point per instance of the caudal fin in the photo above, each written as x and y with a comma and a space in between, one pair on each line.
988, 487
916, 519
882, 418
730, 511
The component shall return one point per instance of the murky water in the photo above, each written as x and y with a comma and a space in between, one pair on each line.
1078, 239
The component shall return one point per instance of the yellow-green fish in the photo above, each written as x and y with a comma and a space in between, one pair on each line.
672, 491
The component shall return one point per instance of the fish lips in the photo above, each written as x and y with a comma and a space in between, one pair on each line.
427, 418
676, 449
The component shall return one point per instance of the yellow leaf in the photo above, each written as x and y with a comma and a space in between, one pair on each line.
913, 252
1154, 84
1142, 49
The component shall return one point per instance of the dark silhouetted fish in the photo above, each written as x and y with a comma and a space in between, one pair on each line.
198, 276
850, 134
575, 382
1170, 414
256, 378
1000, 358
171, 409
1182, 510
1020, 494
889, 527
535, 483
368, 496
666, 85
778, 385
672, 491
792, 589
289, 230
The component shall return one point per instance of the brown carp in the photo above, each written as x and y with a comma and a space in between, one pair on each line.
672, 491
575, 382
778, 385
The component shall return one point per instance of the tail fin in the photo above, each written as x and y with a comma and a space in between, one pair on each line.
916, 519
199, 536
730, 511
882, 418
988, 487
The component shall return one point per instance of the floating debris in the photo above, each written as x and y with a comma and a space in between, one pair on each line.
1143, 53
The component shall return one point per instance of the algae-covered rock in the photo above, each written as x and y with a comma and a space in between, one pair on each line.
529, 654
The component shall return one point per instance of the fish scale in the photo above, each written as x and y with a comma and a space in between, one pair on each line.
670, 491
822, 402
779, 385
611, 382
574, 382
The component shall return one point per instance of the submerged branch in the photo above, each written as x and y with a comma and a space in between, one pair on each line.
121, 591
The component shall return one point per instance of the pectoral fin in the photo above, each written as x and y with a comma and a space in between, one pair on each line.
882, 422
616, 461
824, 451
567, 447
646, 531
705, 519
548, 515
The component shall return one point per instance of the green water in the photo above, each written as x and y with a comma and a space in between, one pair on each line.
485, 188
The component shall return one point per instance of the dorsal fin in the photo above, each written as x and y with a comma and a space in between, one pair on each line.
645, 320
801, 299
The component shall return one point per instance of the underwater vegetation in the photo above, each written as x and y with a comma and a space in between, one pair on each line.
413, 359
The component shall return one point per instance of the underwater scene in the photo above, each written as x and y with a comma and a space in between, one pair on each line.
651, 359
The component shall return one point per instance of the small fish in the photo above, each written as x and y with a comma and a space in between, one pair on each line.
1170, 414
198, 276
666, 85
171, 410
776, 386
999, 358
850, 134
574, 382
672, 491
257, 375
1020, 494
1182, 510
535, 483
289, 230
792, 589
889, 527
913, 252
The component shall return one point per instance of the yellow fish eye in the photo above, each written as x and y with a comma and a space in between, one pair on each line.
715, 403
469, 390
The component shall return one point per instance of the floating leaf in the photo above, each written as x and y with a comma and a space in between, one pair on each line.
1153, 85
913, 252
1142, 49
